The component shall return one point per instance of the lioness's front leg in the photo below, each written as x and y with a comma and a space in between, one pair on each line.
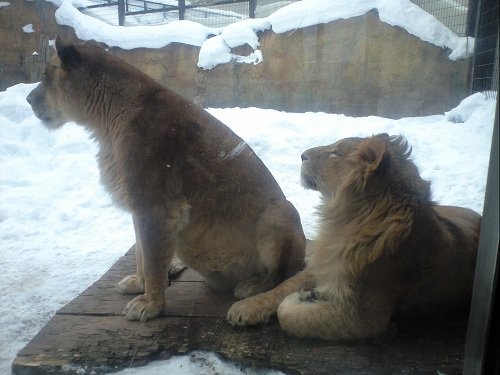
157, 237
134, 284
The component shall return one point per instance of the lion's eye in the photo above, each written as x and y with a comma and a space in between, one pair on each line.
333, 153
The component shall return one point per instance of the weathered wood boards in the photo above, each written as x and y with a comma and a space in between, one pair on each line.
89, 335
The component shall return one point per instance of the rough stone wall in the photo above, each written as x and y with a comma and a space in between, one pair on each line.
16, 46
359, 66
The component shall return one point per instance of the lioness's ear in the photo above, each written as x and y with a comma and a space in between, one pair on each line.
373, 152
68, 54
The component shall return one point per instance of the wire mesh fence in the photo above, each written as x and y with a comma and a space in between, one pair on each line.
479, 19
485, 64
452, 13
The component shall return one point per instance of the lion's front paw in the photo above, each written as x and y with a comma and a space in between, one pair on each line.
131, 285
308, 295
140, 308
248, 313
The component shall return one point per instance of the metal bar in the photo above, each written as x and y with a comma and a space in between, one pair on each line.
171, 8
108, 4
252, 5
476, 34
121, 12
124, 8
182, 9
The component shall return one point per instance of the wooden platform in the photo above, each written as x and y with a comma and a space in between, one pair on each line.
90, 335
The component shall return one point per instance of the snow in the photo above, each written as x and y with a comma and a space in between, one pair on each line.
59, 231
465, 109
86, 28
216, 43
4, 4
28, 28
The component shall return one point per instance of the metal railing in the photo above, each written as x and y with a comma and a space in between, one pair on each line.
141, 7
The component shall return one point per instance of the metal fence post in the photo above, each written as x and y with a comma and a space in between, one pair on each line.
121, 12
182, 9
252, 5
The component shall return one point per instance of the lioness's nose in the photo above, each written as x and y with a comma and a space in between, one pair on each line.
303, 156
29, 99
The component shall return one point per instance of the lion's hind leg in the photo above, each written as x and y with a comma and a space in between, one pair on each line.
281, 249
306, 315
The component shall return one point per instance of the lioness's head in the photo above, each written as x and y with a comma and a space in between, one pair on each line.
71, 85
373, 163
48, 99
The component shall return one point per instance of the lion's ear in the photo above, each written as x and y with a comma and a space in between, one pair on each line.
68, 54
373, 153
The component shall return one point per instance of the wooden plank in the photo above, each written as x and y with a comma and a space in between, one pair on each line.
91, 335
187, 295
103, 343
183, 299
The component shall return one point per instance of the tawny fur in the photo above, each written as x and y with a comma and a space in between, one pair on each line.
383, 248
194, 187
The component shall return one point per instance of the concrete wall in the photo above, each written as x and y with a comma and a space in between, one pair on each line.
358, 67
17, 47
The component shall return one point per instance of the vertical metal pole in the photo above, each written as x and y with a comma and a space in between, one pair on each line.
470, 29
252, 4
182, 9
476, 35
121, 12
481, 317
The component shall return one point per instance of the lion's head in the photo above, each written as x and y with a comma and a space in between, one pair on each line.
324, 167
366, 165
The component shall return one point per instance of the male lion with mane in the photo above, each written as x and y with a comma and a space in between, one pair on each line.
383, 248
194, 187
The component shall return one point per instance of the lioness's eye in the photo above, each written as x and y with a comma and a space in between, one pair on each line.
334, 153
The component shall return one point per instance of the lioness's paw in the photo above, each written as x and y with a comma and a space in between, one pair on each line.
248, 313
131, 285
142, 309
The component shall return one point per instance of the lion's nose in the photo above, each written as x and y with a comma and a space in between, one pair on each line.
303, 156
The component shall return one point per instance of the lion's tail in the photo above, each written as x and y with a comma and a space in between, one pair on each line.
327, 320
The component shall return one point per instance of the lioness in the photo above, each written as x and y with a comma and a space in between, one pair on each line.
383, 247
194, 187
